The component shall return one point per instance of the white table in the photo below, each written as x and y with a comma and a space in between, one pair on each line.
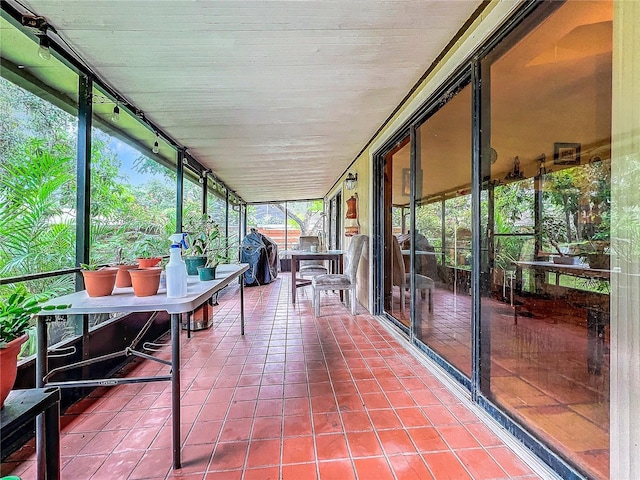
123, 300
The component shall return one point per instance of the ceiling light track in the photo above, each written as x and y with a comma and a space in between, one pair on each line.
37, 27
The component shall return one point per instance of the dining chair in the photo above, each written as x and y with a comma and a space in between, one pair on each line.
310, 267
345, 281
402, 279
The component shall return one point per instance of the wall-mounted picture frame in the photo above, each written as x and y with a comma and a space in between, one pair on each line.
566, 154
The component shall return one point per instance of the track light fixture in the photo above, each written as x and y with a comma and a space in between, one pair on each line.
156, 146
44, 49
115, 116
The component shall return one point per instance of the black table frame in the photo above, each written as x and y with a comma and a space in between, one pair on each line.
21, 407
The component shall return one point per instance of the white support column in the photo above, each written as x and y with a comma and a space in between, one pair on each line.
625, 234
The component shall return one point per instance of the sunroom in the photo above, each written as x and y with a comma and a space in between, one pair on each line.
482, 157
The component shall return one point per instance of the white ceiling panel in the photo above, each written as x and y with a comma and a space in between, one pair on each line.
276, 97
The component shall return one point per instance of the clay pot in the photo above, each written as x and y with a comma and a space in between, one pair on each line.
100, 283
123, 279
145, 281
148, 262
9, 370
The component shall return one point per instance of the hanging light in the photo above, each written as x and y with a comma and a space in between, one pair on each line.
115, 116
351, 181
44, 51
156, 146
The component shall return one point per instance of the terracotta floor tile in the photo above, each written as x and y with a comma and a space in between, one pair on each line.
229, 456
480, 463
445, 465
269, 408
364, 444
410, 467
396, 442
306, 471
137, 439
427, 439
333, 470
439, 415
332, 446
267, 427
356, 422
297, 425
236, 429
202, 432
104, 442
87, 464
509, 461
458, 436
242, 409
298, 450
384, 419
226, 475
267, 473
118, 465
327, 423
375, 468
263, 453
373, 401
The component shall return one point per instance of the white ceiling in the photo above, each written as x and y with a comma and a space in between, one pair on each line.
276, 97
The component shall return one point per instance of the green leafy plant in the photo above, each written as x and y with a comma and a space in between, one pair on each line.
204, 235
149, 246
16, 312
89, 266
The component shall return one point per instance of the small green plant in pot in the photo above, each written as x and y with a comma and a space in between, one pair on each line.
16, 314
203, 234
218, 253
149, 250
98, 281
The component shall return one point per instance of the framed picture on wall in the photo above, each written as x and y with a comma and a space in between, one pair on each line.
566, 154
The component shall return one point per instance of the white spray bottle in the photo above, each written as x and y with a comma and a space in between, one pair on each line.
176, 268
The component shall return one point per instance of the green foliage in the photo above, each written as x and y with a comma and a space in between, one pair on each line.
16, 312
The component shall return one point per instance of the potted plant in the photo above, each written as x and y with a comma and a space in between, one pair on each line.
203, 232
123, 279
15, 320
217, 253
148, 251
98, 281
145, 281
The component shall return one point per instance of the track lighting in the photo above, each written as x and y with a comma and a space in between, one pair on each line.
44, 51
115, 116
156, 146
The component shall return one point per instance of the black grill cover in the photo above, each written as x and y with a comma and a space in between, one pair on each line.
261, 253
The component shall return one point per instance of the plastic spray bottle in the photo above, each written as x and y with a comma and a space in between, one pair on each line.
176, 268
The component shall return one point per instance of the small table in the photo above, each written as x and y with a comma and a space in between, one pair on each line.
22, 406
124, 300
334, 256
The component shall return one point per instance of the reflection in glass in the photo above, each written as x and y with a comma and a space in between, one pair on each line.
546, 214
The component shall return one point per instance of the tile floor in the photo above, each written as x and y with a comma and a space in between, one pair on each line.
296, 398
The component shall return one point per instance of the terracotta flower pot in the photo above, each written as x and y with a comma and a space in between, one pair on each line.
145, 281
123, 279
100, 283
148, 262
9, 361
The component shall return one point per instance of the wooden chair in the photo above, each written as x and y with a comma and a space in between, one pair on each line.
342, 281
